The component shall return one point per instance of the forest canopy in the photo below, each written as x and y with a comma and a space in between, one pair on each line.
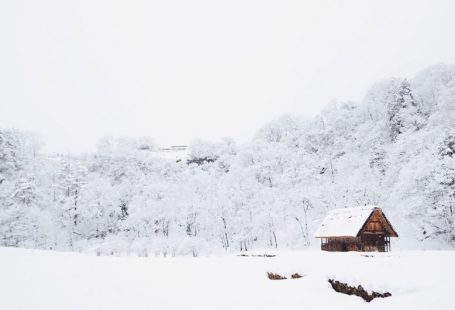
396, 149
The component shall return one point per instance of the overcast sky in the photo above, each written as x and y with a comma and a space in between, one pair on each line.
175, 70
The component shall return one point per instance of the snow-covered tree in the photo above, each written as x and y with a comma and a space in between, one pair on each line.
395, 148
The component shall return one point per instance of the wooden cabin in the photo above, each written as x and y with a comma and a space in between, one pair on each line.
363, 228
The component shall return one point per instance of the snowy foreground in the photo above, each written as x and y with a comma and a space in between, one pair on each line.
32, 279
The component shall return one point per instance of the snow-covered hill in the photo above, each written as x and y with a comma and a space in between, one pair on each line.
395, 149
47, 280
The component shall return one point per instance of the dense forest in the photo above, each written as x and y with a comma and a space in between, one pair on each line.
395, 148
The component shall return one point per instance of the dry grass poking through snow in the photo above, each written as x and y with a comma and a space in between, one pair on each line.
275, 276
296, 276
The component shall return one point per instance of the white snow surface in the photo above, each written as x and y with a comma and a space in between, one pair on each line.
35, 279
345, 222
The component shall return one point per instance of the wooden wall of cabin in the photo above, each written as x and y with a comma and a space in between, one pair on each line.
365, 243
341, 244
375, 242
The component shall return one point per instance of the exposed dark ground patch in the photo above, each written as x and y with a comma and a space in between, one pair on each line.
275, 276
296, 276
357, 291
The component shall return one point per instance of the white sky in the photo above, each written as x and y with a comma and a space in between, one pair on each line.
175, 70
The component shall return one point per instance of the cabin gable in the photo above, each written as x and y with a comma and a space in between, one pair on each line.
377, 223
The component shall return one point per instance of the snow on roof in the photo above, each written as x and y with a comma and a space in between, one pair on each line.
345, 222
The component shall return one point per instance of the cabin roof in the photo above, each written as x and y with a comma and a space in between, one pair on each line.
345, 222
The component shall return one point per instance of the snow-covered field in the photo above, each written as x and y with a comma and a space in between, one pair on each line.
32, 279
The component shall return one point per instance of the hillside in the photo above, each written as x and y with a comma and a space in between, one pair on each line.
395, 149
